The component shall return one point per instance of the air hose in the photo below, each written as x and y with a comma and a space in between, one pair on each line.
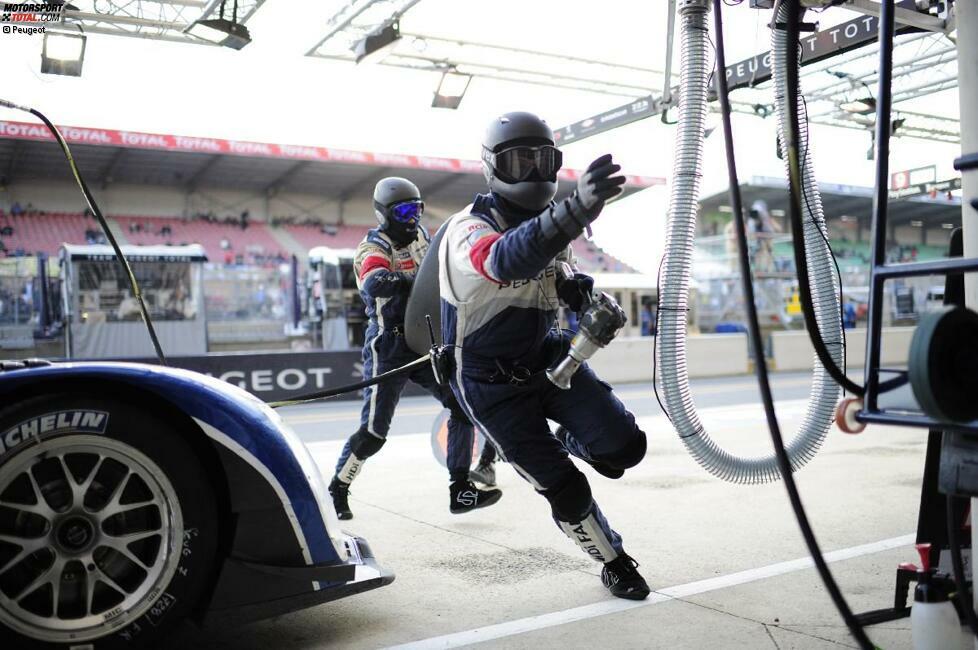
677, 262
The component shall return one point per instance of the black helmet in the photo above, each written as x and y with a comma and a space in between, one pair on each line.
398, 208
520, 160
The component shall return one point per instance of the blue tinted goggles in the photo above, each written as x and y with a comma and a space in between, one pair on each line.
407, 212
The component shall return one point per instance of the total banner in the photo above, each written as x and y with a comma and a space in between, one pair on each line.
168, 142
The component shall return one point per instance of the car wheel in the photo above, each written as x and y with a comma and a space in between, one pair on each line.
108, 524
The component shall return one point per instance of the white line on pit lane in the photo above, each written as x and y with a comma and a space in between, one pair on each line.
613, 606
723, 415
302, 415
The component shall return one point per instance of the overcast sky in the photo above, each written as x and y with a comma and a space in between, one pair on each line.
271, 92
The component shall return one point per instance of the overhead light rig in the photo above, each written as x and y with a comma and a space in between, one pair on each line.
166, 20
839, 67
371, 28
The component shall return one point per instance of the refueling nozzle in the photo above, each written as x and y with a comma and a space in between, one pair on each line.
600, 323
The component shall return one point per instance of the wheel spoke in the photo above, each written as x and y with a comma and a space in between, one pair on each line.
89, 591
38, 494
79, 489
40, 508
121, 547
54, 570
55, 592
112, 506
27, 546
109, 512
129, 538
104, 577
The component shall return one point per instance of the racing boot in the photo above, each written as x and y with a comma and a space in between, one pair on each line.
484, 473
465, 497
623, 580
572, 448
340, 492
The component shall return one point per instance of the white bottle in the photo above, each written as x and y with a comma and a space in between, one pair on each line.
934, 623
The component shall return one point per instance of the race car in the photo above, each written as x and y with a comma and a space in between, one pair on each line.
136, 497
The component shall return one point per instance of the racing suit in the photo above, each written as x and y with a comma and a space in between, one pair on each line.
499, 304
385, 272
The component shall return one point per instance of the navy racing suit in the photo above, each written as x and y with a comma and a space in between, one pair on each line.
499, 304
385, 272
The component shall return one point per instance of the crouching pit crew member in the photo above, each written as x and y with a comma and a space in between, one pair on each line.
500, 290
386, 262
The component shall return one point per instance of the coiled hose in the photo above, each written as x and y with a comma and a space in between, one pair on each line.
677, 265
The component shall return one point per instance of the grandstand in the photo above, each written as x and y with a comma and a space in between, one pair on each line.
30, 231
312, 235
226, 242
922, 221
165, 191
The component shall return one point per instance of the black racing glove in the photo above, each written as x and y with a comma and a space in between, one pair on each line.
598, 184
575, 290
388, 283
568, 219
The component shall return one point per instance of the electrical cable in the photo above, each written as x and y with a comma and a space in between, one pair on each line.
957, 563
828, 245
754, 331
93, 206
366, 383
794, 204
134, 285
655, 341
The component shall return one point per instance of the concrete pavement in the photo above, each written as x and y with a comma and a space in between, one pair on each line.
722, 558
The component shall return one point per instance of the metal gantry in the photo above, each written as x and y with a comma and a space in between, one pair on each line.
353, 21
358, 18
163, 20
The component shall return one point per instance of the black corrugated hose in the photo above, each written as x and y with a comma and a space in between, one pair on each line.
754, 330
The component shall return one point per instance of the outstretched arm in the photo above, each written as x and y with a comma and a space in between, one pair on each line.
524, 252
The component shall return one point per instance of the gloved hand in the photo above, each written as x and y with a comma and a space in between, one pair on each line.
565, 221
598, 184
574, 291
388, 283
404, 281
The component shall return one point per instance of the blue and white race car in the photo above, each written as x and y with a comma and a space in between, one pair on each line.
134, 497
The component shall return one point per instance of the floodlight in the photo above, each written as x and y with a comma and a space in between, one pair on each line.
63, 53
862, 106
220, 30
371, 46
451, 89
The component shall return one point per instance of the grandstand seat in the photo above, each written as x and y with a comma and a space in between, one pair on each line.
44, 233
312, 235
247, 243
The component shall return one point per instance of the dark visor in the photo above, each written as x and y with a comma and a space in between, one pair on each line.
523, 163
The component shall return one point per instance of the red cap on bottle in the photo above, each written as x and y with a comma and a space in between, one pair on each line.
924, 551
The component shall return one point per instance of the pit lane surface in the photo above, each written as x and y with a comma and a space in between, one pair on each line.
506, 577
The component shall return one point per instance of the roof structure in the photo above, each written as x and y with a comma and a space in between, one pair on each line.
851, 202
28, 151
